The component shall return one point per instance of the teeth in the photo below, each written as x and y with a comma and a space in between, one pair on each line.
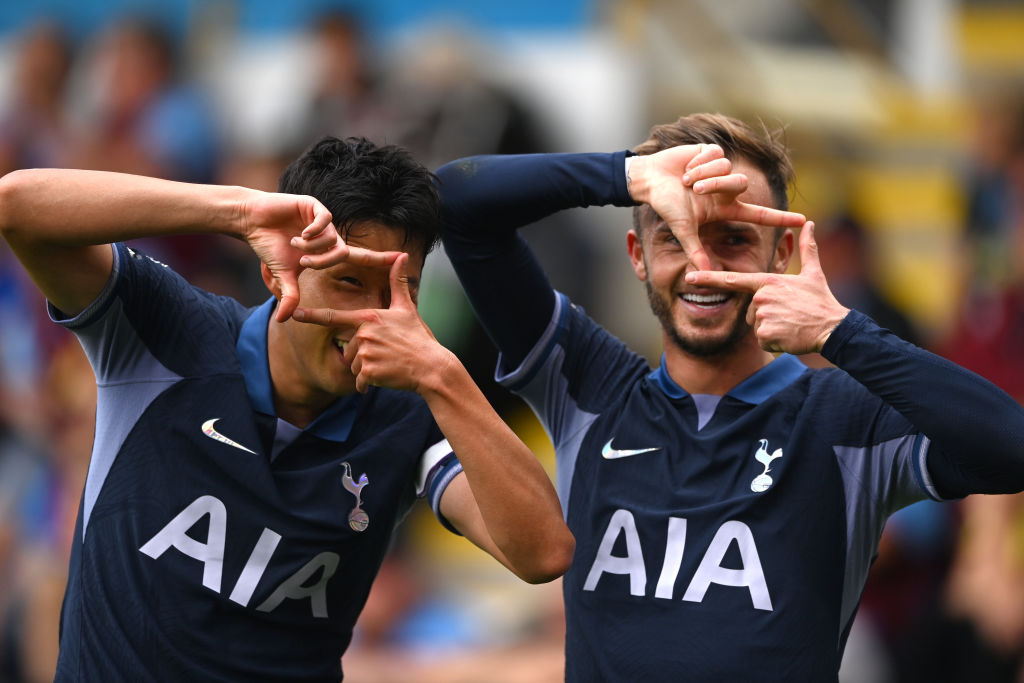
705, 299
341, 344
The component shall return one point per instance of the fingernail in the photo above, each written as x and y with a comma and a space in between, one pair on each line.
299, 314
698, 187
686, 178
304, 261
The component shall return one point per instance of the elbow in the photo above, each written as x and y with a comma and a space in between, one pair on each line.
552, 561
9, 187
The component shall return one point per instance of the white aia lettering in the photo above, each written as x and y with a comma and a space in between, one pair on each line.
710, 570
211, 554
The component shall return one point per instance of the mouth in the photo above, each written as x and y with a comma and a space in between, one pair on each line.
707, 301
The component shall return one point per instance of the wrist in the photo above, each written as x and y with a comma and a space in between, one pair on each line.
833, 323
441, 376
635, 184
236, 210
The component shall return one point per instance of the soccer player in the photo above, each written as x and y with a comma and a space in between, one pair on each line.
728, 503
248, 468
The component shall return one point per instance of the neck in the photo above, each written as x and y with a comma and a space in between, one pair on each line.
714, 374
294, 400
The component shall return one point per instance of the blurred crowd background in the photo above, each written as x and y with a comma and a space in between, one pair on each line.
905, 119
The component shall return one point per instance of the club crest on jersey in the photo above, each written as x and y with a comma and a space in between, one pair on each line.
357, 519
762, 481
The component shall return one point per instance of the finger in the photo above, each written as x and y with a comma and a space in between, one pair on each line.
708, 152
711, 169
289, 296
732, 184
354, 255
351, 356
809, 260
724, 279
321, 220
763, 215
333, 317
752, 315
369, 257
322, 242
400, 295
695, 251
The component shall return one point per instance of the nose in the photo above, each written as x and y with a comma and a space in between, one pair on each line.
716, 263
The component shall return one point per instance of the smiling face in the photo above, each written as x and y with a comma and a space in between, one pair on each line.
307, 366
705, 322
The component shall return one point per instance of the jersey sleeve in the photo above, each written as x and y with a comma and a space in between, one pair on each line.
437, 467
572, 374
971, 432
485, 200
150, 323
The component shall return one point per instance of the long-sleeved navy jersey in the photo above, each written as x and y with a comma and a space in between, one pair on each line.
717, 538
215, 541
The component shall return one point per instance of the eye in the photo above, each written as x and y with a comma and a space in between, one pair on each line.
349, 281
737, 239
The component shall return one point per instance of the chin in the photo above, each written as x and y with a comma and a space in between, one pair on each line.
705, 343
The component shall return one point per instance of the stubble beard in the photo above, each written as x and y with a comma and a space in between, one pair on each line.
701, 347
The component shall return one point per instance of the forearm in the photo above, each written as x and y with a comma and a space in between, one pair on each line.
511, 191
64, 207
517, 503
976, 429
485, 200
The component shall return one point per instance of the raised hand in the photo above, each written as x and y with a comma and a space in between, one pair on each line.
789, 313
293, 232
272, 221
390, 347
693, 184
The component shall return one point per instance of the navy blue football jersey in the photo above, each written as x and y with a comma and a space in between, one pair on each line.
215, 541
718, 538
705, 525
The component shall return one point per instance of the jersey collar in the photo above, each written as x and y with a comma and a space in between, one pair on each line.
756, 389
334, 424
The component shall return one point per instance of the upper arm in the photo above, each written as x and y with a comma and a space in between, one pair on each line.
69, 277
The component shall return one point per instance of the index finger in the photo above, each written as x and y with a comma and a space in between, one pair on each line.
763, 215
332, 317
725, 279
695, 251
343, 253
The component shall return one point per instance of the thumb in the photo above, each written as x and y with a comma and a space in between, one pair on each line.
401, 298
809, 260
289, 295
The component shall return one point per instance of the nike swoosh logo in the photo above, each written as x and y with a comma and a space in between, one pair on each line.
609, 453
209, 431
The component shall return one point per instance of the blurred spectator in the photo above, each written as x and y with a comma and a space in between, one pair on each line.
451, 106
410, 630
34, 130
993, 185
40, 487
988, 336
146, 117
348, 100
844, 248
982, 634
845, 251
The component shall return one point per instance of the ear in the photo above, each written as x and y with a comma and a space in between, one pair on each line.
268, 279
636, 255
783, 252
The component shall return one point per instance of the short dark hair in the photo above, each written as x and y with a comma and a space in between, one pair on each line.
359, 181
764, 150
